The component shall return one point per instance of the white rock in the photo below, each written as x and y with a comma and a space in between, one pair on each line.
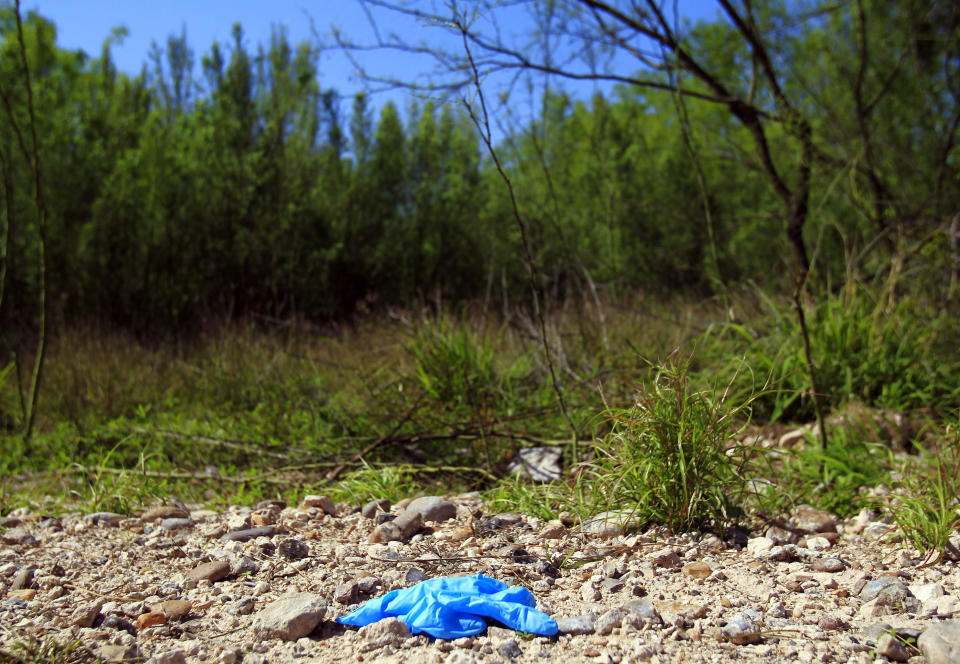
758, 546
290, 617
926, 592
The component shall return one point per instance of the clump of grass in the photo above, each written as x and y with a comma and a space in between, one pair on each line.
926, 511
368, 483
672, 459
33, 650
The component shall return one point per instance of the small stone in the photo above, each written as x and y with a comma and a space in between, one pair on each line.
244, 565
86, 614
553, 530
104, 518
783, 554
118, 653
241, 607
759, 546
831, 622
212, 571
432, 508
927, 592
169, 657
509, 650
665, 558
891, 588
292, 616
577, 625
608, 621
398, 530
818, 543
940, 643
589, 594
612, 585
742, 629
890, 647
293, 549
877, 530
645, 610
347, 593
248, 534
540, 464
176, 523
151, 619
610, 524
697, 570
118, 623
374, 507
23, 579
18, 536
323, 502
830, 565
414, 575
812, 520
174, 609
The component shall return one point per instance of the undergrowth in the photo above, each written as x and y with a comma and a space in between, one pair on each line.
441, 403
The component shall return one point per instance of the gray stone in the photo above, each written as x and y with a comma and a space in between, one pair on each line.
608, 621
175, 523
414, 575
612, 585
432, 508
108, 518
940, 643
86, 614
118, 653
18, 536
115, 622
645, 610
759, 546
889, 589
292, 616
386, 632
509, 650
609, 524
293, 549
244, 565
165, 512
398, 530
742, 629
577, 625
23, 579
241, 607
374, 507
169, 657
783, 554
347, 593
828, 565
248, 534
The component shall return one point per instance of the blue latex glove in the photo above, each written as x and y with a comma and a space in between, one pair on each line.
451, 607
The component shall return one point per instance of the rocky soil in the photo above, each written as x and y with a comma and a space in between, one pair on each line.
266, 585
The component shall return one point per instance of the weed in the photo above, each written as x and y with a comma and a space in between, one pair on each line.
32, 650
670, 458
926, 511
369, 483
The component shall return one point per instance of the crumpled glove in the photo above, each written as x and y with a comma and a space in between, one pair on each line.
451, 607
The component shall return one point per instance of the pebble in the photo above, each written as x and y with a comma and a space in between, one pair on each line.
889, 589
290, 617
151, 619
759, 546
432, 508
169, 657
174, 609
812, 520
108, 518
926, 592
23, 579
116, 622
610, 524
293, 549
830, 565
742, 629
118, 653
645, 610
211, 571
509, 650
323, 502
553, 530
240, 607
248, 534
608, 621
577, 625
374, 507
18, 536
664, 558
176, 523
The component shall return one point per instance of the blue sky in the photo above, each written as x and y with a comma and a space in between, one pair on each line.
84, 24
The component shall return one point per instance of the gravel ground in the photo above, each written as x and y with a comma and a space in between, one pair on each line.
265, 584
